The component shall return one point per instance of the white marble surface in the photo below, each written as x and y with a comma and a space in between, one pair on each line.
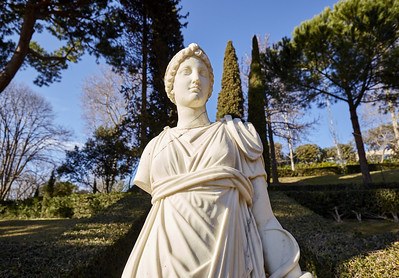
211, 214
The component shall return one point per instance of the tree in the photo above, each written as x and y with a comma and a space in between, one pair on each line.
348, 153
279, 153
344, 54
230, 99
105, 156
77, 168
380, 139
102, 101
256, 102
78, 25
308, 153
151, 36
28, 134
51, 184
61, 189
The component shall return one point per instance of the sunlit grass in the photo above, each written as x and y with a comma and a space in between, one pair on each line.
388, 176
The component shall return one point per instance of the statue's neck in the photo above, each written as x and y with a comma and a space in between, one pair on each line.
192, 117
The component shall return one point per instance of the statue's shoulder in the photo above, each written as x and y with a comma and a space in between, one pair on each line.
239, 125
149, 148
244, 134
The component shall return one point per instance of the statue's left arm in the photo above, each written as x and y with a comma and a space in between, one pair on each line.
280, 250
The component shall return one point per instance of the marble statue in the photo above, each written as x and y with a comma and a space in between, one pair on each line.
211, 214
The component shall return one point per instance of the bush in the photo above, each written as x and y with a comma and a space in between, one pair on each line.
317, 169
355, 168
71, 206
328, 168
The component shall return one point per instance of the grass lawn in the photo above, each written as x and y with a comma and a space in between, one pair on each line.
33, 230
388, 176
368, 227
91, 247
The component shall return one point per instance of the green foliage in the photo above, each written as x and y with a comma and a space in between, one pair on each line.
149, 40
256, 101
381, 138
312, 170
70, 206
230, 99
380, 263
308, 153
107, 156
77, 25
347, 151
49, 187
343, 54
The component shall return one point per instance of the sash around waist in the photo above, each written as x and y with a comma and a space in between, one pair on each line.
221, 176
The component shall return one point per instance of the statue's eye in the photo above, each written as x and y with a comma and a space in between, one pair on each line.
203, 72
186, 71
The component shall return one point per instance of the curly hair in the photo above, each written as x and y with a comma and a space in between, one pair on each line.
192, 50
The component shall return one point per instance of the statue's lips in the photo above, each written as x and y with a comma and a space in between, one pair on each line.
195, 89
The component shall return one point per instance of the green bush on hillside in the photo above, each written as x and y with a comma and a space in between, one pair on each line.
71, 206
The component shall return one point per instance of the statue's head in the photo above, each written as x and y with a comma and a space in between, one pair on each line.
193, 50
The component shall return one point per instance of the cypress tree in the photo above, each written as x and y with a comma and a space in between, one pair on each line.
256, 102
230, 100
51, 184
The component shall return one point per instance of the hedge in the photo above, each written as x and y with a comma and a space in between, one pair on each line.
72, 206
322, 169
329, 251
96, 247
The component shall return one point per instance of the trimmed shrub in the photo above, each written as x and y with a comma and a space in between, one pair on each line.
346, 203
328, 251
325, 168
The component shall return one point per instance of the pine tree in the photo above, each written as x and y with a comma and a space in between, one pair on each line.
230, 100
256, 102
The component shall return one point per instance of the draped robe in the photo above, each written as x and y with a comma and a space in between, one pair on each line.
200, 224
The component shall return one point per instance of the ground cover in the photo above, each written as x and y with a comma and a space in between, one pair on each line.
92, 247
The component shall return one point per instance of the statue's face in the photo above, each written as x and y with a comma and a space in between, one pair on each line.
192, 84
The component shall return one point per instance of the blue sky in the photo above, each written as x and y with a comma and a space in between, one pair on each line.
210, 24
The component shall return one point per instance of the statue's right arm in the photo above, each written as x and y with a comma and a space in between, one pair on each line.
142, 178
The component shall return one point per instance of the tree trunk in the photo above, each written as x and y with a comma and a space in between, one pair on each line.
144, 116
266, 157
16, 61
290, 144
357, 134
273, 159
394, 118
